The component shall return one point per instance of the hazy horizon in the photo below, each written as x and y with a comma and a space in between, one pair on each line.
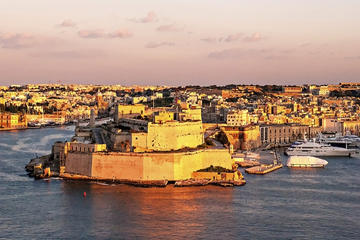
204, 42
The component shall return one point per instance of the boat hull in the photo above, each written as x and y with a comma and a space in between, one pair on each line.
306, 165
306, 162
320, 154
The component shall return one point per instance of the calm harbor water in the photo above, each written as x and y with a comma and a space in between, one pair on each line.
286, 204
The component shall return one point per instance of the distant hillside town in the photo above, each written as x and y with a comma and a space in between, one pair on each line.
248, 116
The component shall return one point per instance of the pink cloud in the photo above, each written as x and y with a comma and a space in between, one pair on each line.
99, 33
120, 34
17, 40
235, 53
78, 53
255, 37
233, 37
67, 23
91, 33
209, 40
159, 44
170, 28
150, 17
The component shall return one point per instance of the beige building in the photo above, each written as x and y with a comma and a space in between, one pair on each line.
331, 125
292, 89
9, 120
284, 133
238, 118
352, 127
324, 90
122, 111
192, 113
163, 116
135, 135
243, 137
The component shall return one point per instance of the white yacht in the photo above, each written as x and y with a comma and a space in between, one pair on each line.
318, 150
305, 162
347, 141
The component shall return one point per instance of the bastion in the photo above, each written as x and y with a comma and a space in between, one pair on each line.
171, 166
138, 149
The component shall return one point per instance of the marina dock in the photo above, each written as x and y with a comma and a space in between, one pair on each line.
263, 169
247, 163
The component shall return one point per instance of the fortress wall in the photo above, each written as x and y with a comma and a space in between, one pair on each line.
174, 135
217, 157
139, 141
117, 165
186, 163
158, 166
78, 163
152, 166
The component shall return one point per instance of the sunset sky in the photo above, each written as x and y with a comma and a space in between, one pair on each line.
179, 42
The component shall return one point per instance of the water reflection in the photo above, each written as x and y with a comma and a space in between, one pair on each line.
286, 204
169, 212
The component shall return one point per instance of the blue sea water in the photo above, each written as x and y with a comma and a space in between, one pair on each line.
286, 204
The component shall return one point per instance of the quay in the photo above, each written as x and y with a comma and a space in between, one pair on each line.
263, 169
248, 163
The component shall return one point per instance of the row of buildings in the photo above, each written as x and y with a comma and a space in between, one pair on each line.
281, 114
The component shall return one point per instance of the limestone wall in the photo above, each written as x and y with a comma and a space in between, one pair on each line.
130, 109
78, 163
174, 135
117, 166
84, 147
146, 166
139, 141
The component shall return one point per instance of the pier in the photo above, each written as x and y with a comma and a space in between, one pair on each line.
263, 169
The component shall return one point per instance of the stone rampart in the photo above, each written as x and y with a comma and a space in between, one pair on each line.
145, 166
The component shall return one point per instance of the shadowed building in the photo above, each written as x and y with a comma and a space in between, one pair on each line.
242, 137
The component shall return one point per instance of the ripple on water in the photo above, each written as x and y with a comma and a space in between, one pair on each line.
286, 204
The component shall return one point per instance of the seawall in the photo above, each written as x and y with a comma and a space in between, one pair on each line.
171, 166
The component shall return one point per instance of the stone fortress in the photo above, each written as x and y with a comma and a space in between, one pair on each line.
141, 145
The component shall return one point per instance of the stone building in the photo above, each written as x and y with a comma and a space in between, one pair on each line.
163, 133
243, 137
352, 127
123, 111
214, 114
12, 121
292, 89
331, 125
285, 133
238, 118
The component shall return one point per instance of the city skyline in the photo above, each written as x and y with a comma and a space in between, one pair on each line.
182, 43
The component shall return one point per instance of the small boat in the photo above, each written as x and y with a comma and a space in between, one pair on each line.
306, 162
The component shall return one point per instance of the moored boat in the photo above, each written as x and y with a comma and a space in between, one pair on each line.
318, 150
305, 162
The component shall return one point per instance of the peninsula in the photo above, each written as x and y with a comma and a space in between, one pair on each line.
144, 147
